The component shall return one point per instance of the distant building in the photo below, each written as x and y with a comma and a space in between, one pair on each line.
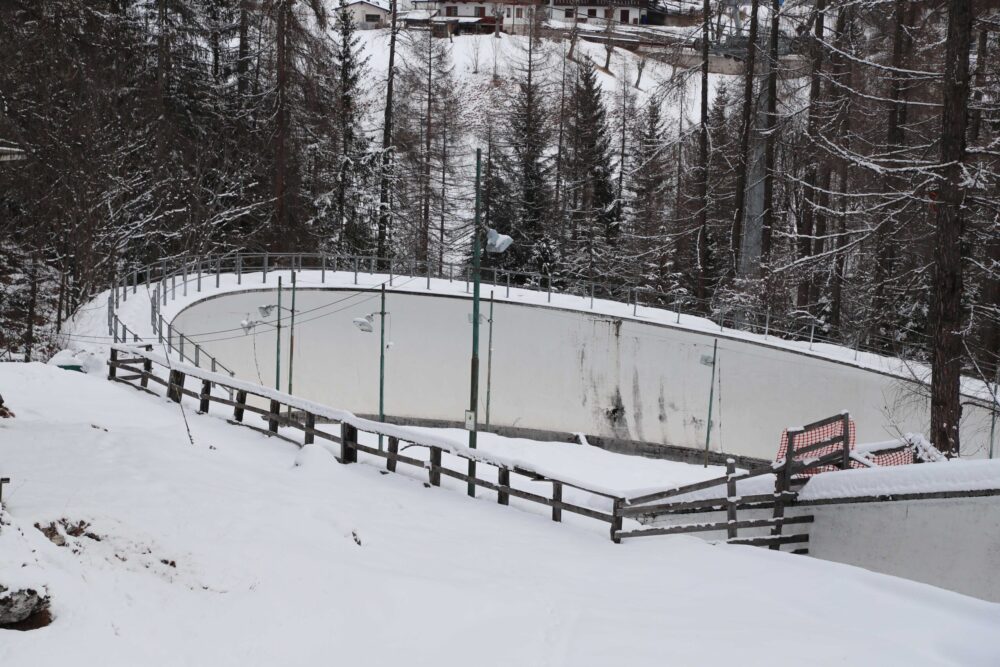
369, 14
629, 12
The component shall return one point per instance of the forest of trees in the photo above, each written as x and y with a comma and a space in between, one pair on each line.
848, 193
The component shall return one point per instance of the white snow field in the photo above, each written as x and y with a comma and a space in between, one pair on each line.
231, 548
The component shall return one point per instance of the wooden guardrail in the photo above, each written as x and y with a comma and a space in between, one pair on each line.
784, 472
138, 366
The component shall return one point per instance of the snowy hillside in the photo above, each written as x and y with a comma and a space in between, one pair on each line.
229, 548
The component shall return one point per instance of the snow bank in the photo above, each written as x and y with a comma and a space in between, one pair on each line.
224, 553
952, 475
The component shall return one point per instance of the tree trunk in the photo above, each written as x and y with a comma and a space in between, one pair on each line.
702, 239
767, 223
384, 207
809, 194
281, 230
946, 365
743, 158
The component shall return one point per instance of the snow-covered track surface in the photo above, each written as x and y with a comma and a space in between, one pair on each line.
603, 368
231, 548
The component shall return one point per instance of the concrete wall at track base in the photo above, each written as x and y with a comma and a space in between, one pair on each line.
558, 370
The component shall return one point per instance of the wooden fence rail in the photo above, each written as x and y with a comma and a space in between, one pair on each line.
138, 366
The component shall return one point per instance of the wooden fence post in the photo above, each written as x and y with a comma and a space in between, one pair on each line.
113, 364
272, 417
175, 386
348, 438
557, 489
503, 481
390, 464
616, 520
147, 370
731, 499
241, 401
845, 463
434, 471
782, 484
310, 437
206, 393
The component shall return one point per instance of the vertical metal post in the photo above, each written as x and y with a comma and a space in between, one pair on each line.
550, 288
291, 341
277, 354
381, 366
489, 363
184, 285
767, 324
322, 269
239, 269
993, 421
199, 275
355, 270
264, 271
812, 332
474, 384
218, 271
711, 399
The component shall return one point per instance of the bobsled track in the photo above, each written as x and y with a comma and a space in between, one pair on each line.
595, 362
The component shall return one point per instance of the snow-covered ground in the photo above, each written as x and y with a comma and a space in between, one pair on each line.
230, 548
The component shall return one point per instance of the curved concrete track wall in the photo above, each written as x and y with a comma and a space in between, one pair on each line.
561, 370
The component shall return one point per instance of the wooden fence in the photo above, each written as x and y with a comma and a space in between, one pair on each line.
787, 476
138, 366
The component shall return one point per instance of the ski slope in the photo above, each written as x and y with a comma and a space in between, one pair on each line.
224, 547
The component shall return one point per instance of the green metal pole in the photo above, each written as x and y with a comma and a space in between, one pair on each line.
381, 367
711, 397
993, 421
474, 385
277, 357
291, 342
489, 364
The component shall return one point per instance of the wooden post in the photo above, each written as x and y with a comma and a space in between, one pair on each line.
310, 437
731, 498
616, 520
557, 489
503, 480
348, 438
206, 392
175, 386
241, 401
393, 450
272, 417
782, 484
845, 463
434, 471
113, 364
147, 370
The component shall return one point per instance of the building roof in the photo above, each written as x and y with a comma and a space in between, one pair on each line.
377, 4
418, 15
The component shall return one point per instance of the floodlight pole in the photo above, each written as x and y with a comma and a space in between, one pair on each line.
474, 385
277, 356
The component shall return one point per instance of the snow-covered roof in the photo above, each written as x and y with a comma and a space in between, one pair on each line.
418, 15
377, 4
